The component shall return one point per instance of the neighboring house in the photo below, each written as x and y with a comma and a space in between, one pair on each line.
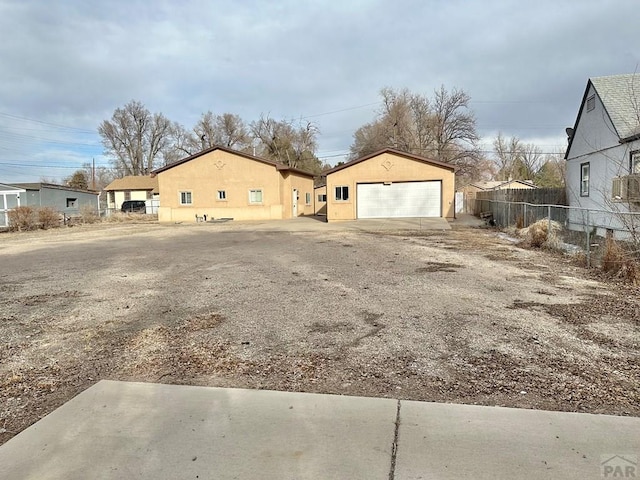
320, 198
465, 198
497, 185
223, 183
390, 183
9, 199
603, 156
133, 188
64, 199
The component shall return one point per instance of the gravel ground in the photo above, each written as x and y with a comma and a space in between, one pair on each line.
455, 316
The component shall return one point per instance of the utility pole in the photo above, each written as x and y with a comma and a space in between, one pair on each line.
93, 174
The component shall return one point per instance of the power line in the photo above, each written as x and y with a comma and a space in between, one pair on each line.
58, 125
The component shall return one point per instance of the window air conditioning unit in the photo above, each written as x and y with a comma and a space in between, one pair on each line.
626, 188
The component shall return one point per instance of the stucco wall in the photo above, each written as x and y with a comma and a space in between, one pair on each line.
320, 207
386, 167
304, 185
236, 175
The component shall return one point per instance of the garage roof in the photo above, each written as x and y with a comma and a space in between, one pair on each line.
393, 151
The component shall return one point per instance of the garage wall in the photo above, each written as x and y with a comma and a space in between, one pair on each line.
386, 167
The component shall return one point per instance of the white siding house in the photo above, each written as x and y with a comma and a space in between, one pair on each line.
603, 151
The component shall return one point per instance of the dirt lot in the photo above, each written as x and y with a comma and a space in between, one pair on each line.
454, 316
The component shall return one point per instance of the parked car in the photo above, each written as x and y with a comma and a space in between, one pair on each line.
134, 206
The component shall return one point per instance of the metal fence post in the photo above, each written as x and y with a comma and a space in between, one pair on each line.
524, 216
549, 224
588, 242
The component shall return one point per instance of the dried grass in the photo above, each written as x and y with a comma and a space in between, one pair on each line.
48, 217
23, 219
539, 235
619, 262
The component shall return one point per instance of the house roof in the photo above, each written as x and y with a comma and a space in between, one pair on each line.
10, 188
279, 166
41, 185
496, 184
620, 95
134, 182
392, 151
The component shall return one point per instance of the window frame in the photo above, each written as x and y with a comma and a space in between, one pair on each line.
322, 197
342, 189
307, 198
585, 179
254, 202
634, 162
72, 202
182, 195
221, 196
127, 195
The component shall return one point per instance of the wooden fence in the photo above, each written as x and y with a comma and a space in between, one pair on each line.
499, 204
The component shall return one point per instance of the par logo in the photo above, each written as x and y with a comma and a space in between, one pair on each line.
619, 466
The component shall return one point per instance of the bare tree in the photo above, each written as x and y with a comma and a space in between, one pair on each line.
442, 128
135, 138
286, 143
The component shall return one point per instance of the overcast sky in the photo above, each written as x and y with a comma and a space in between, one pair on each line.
67, 65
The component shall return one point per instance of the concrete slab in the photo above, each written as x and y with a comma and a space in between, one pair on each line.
447, 441
118, 430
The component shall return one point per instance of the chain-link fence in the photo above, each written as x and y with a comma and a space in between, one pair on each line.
577, 228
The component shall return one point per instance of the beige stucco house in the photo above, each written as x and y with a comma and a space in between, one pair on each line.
223, 183
390, 183
132, 188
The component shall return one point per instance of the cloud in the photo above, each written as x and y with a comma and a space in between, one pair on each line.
525, 65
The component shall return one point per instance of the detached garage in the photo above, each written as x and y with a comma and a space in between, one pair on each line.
390, 184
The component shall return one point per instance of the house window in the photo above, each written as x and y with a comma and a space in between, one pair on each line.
149, 195
307, 198
342, 193
584, 180
127, 195
591, 103
72, 202
222, 194
634, 163
255, 196
322, 197
112, 197
185, 198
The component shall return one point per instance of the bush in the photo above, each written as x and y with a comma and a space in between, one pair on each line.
619, 262
48, 217
538, 235
89, 214
22, 219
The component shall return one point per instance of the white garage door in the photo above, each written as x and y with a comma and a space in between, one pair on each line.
403, 199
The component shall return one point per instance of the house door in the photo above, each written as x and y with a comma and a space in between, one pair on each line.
295, 202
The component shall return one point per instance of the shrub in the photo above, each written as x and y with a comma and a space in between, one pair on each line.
89, 214
538, 235
619, 262
22, 218
48, 217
